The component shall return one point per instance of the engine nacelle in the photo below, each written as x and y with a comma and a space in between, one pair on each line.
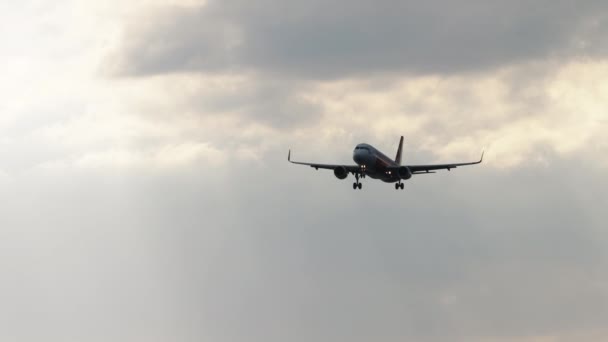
404, 172
341, 172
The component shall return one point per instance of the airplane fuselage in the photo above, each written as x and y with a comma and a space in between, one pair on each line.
375, 163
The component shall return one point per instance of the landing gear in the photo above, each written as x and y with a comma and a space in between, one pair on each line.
399, 186
357, 184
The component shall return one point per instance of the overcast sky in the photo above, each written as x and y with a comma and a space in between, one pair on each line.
146, 196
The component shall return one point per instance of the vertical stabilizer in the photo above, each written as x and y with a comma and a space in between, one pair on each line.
398, 157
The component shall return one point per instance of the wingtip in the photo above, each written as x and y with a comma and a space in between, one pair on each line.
482, 153
289, 155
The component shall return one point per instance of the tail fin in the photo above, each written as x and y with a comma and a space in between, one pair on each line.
398, 157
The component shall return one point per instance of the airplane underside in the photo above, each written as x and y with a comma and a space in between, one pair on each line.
382, 176
379, 175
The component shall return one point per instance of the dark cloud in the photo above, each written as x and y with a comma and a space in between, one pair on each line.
319, 39
272, 102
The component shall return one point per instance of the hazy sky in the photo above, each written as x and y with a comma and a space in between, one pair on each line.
146, 196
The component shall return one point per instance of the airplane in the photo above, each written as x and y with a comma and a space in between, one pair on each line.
373, 163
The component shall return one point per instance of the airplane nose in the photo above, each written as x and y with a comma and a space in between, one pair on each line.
358, 156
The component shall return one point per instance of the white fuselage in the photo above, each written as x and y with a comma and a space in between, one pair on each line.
375, 163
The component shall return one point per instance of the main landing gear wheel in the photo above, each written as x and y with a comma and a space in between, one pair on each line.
357, 184
399, 186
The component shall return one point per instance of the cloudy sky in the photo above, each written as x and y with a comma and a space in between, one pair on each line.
146, 196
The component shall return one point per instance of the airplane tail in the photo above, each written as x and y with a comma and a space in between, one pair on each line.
398, 157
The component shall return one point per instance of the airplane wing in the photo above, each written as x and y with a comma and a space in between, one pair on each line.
349, 168
421, 169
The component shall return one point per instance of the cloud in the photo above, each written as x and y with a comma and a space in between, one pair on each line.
186, 254
320, 40
457, 115
162, 207
518, 120
438, 76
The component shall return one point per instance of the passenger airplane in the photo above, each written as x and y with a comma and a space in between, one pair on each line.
373, 163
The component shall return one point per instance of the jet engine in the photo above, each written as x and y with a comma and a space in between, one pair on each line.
341, 172
404, 172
